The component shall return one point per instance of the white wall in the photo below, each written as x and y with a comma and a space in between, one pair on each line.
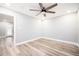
78, 26
26, 27
63, 28
5, 29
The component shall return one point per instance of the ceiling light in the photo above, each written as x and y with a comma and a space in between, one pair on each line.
69, 11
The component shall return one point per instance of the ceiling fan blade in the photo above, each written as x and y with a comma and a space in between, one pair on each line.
51, 6
41, 5
38, 13
34, 10
50, 12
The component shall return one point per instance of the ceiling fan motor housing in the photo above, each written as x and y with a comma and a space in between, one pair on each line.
43, 10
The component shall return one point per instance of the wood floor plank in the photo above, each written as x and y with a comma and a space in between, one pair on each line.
45, 49
40, 47
62, 47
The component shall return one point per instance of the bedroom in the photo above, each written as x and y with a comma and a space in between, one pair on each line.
32, 31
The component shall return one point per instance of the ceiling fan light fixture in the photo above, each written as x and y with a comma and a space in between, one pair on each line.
69, 11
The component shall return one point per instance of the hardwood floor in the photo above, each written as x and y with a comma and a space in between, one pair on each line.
42, 47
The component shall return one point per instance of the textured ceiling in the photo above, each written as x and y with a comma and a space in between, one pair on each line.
61, 9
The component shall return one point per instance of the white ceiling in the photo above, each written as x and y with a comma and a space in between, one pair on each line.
61, 9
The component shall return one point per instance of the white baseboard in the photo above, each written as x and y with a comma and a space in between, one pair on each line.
28, 41
68, 42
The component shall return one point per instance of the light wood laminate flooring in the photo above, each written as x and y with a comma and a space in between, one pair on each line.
40, 47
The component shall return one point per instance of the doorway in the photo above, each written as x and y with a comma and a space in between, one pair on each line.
6, 30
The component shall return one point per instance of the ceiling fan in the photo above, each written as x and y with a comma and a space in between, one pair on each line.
44, 9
